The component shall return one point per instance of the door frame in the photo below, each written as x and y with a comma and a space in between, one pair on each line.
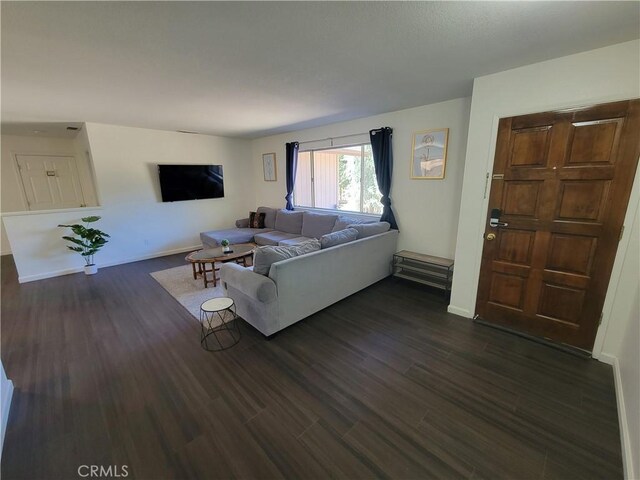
623, 244
23, 193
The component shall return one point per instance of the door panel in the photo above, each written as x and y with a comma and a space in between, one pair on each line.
50, 182
67, 182
562, 182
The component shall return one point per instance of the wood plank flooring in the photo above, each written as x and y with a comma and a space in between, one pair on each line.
385, 384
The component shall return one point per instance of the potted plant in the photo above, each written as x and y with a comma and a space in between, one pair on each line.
225, 246
87, 242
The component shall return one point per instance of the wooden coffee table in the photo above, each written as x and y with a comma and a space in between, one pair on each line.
210, 256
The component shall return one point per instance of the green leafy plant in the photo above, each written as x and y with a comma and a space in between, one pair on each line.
88, 241
224, 243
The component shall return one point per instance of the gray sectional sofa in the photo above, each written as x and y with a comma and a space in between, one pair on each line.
282, 227
297, 287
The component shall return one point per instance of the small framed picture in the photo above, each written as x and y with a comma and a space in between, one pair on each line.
429, 154
269, 166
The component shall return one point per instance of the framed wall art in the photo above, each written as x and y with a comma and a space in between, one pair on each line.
269, 167
429, 152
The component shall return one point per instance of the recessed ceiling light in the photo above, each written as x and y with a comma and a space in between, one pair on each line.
37, 131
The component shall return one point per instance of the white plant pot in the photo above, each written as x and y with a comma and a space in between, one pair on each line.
90, 269
226, 249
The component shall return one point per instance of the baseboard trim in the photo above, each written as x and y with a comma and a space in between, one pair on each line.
68, 271
42, 276
7, 395
463, 312
152, 255
606, 358
627, 454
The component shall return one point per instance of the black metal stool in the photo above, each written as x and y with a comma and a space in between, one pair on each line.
217, 317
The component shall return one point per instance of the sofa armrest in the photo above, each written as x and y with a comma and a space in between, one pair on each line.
242, 223
256, 286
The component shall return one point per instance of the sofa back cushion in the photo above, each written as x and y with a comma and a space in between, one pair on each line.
369, 229
315, 225
269, 216
343, 222
263, 257
288, 222
338, 238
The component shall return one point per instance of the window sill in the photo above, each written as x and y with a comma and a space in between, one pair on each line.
346, 213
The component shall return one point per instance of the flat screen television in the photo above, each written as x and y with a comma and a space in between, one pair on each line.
190, 182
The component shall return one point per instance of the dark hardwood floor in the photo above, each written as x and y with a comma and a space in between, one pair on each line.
108, 370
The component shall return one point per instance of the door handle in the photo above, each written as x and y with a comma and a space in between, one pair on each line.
494, 221
490, 237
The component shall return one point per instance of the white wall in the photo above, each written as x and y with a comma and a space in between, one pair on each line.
85, 168
6, 393
141, 226
597, 76
629, 366
12, 193
621, 346
426, 210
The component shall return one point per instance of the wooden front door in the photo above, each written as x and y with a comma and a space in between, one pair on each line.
561, 182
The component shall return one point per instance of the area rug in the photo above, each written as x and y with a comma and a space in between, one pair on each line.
190, 293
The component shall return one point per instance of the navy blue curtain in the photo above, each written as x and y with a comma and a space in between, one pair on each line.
383, 163
292, 167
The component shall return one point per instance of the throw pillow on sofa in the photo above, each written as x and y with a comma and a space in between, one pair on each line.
338, 238
263, 257
369, 229
256, 220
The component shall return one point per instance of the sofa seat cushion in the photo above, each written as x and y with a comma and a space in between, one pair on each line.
293, 241
265, 256
338, 238
315, 225
289, 222
234, 235
369, 229
273, 237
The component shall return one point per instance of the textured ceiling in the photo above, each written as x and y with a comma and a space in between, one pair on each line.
254, 68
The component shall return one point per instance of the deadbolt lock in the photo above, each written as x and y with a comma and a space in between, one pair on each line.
490, 236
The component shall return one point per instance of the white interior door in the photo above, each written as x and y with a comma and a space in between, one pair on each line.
50, 182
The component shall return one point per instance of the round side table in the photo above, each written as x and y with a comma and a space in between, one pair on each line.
219, 324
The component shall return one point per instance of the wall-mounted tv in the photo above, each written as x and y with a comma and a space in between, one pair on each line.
190, 182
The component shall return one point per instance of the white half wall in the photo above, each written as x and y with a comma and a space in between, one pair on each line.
426, 210
141, 226
12, 197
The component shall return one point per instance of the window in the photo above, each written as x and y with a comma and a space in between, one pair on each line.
341, 178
